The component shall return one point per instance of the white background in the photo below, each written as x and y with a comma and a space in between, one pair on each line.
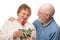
9, 8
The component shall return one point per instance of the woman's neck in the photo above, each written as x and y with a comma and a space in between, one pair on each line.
19, 20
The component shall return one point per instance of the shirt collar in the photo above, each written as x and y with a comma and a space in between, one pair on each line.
48, 22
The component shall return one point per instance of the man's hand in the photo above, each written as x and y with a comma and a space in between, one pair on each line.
17, 34
11, 19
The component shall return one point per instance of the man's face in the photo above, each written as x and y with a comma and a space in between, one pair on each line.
24, 15
42, 16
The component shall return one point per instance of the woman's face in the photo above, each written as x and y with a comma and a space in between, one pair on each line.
24, 15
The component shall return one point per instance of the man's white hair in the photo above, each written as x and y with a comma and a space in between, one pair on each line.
47, 8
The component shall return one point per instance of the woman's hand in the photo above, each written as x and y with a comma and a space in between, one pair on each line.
28, 38
17, 33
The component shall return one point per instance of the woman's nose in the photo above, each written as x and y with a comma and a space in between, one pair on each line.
25, 16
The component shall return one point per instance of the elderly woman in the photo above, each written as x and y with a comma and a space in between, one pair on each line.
11, 29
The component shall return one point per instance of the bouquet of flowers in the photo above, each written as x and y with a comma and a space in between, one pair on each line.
26, 33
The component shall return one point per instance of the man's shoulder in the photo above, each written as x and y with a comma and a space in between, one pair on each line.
54, 26
54, 23
36, 22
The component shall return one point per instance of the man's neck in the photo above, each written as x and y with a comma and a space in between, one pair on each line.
45, 22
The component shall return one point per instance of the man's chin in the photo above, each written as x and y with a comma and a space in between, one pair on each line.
41, 21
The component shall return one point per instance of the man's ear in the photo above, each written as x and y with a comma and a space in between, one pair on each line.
47, 16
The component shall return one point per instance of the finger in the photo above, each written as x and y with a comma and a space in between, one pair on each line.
11, 19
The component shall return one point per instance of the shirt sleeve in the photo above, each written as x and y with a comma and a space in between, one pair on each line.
4, 34
34, 33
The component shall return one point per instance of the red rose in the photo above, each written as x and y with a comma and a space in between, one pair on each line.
23, 22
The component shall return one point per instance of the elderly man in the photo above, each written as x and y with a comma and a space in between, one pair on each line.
46, 27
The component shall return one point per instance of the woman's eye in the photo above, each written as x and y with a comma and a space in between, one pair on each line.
24, 13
